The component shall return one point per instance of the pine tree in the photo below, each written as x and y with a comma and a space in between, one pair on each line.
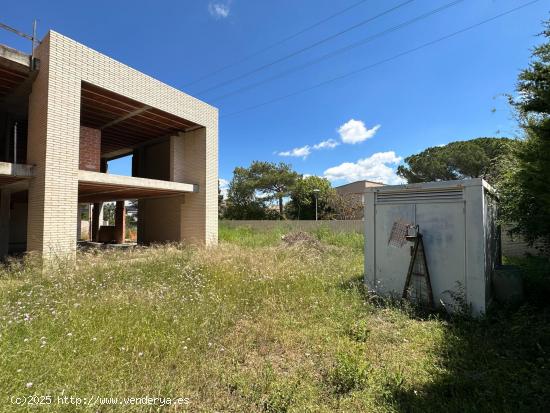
526, 193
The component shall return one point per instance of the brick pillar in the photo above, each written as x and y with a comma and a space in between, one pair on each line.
96, 217
120, 222
193, 217
90, 149
194, 160
5, 199
79, 223
53, 147
89, 209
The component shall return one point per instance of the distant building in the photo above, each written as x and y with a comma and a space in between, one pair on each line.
356, 189
351, 204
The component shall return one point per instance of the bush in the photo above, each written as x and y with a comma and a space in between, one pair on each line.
348, 373
280, 397
359, 331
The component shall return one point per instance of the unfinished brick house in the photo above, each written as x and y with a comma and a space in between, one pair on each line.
68, 110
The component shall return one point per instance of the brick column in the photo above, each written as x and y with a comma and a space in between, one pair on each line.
120, 222
79, 222
53, 147
194, 159
90, 150
193, 217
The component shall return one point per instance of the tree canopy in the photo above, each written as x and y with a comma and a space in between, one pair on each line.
302, 198
475, 158
253, 188
275, 181
242, 201
526, 193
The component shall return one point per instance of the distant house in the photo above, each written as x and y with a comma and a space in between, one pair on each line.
355, 190
352, 199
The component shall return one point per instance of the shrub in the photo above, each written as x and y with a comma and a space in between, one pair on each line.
280, 397
348, 373
359, 331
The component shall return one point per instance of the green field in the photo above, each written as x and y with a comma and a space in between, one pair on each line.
257, 325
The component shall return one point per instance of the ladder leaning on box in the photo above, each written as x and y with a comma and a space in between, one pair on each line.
418, 266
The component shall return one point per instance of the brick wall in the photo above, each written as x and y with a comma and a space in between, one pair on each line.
90, 149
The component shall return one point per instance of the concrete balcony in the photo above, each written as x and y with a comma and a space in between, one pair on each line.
102, 187
11, 173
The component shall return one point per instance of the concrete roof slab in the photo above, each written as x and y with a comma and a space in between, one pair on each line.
16, 170
101, 187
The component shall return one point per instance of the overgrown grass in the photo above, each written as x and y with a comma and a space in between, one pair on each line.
248, 237
256, 326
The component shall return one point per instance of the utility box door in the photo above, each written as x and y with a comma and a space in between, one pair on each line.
391, 262
442, 228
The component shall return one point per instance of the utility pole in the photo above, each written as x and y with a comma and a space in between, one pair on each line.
316, 195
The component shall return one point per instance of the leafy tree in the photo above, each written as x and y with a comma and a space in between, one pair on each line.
525, 192
109, 212
302, 198
273, 180
221, 202
346, 206
242, 201
476, 158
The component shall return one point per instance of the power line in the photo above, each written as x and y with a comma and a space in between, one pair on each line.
339, 51
380, 62
277, 43
297, 52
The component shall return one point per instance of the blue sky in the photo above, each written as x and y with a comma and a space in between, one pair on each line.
452, 90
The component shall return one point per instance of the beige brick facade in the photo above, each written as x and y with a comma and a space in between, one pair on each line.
54, 144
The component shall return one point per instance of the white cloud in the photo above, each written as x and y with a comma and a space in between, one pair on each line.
378, 167
302, 152
355, 131
224, 186
219, 10
305, 151
328, 144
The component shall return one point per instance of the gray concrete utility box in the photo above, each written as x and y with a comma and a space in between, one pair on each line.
458, 222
